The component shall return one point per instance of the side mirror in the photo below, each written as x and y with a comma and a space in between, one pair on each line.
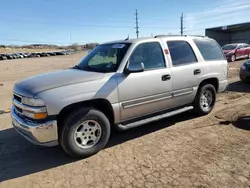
135, 67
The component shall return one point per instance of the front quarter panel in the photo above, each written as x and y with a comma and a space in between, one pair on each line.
58, 98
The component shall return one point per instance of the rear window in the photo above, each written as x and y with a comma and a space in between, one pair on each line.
209, 49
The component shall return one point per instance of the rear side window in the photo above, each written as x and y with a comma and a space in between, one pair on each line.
181, 53
240, 46
209, 49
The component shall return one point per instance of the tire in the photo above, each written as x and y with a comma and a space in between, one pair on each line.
233, 58
199, 109
72, 124
243, 79
249, 56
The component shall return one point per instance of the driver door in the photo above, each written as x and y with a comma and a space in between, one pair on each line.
149, 91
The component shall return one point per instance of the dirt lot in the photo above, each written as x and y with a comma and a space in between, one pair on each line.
183, 151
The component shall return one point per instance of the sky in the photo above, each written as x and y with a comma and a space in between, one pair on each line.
64, 22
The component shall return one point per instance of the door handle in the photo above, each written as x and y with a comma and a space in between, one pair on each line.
165, 77
197, 71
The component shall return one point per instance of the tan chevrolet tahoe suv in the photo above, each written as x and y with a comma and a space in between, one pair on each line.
121, 84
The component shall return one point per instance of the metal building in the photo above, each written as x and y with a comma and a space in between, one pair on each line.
237, 33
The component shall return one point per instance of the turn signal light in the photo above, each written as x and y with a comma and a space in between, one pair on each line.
40, 116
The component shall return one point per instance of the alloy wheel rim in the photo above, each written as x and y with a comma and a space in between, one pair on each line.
87, 134
206, 99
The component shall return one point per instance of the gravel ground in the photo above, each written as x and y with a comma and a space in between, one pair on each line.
182, 151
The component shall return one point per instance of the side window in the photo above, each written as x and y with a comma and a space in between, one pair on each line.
150, 54
245, 45
181, 53
209, 49
240, 46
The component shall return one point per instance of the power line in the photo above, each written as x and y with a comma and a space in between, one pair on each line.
136, 24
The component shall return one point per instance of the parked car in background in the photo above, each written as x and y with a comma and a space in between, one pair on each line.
28, 54
3, 57
245, 71
44, 54
61, 53
23, 54
34, 54
52, 53
236, 51
9, 56
67, 52
121, 84
19, 55
14, 56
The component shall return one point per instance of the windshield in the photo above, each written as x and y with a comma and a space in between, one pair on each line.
104, 58
229, 47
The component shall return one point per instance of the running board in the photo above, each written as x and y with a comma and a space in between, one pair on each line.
121, 127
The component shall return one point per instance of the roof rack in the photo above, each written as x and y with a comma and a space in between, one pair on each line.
157, 36
204, 36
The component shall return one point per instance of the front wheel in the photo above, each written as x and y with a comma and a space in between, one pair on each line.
205, 100
84, 132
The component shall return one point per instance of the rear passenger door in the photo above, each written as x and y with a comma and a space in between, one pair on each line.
186, 71
246, 50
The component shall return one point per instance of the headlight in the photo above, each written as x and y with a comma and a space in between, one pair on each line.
32, 101
229, 53
243, 67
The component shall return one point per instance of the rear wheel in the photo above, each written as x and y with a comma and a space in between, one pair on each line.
84, 132
233, 58
243, 78
205, 99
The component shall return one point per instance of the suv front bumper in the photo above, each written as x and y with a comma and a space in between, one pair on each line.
43, 134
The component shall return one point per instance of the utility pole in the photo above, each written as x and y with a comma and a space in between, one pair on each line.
182, 28
136, 24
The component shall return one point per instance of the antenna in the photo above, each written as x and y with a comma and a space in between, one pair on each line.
127, 38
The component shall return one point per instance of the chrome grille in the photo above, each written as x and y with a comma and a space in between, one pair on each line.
17, 109
17, 97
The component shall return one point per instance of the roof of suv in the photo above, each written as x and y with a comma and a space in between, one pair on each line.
135, 40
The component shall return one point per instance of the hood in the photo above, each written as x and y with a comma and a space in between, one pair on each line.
33, 85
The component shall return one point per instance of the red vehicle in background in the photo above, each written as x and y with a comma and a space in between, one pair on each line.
236, 51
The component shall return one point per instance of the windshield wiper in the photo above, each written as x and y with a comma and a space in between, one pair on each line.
89, 68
